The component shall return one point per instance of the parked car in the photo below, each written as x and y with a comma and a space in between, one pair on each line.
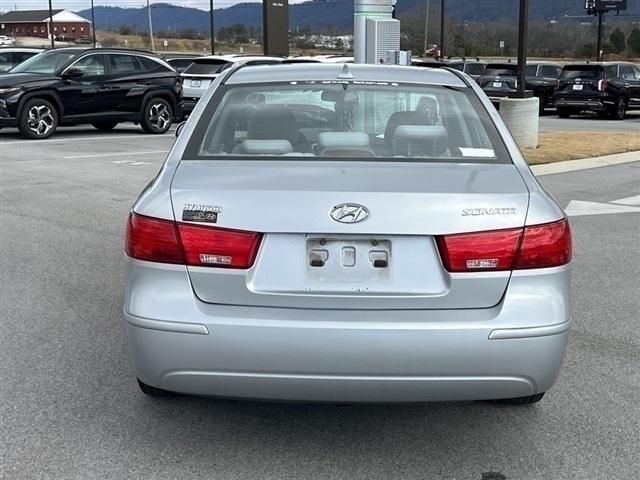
473, 67
500, 81
7, 41
204, 70
347, 233
10, 57
102, 87
180, 61
608, 88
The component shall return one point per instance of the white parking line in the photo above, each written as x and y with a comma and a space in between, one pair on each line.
631, 201
119, 154
81, 139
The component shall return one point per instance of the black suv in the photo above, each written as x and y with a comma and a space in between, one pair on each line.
500, 80
608, 88
70, 86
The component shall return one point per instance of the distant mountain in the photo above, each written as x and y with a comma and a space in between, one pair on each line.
318, 14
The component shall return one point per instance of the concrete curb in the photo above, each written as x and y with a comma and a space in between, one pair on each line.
585, 163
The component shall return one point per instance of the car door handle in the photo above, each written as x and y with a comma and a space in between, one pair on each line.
105, 87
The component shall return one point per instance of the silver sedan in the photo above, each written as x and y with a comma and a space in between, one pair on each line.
338, 233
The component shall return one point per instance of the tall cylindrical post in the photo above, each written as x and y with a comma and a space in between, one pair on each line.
523, 29
50, 30
443, 31
211, 29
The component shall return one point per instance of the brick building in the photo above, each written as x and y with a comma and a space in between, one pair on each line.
35, 23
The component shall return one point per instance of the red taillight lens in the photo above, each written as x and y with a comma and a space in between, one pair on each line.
547, 245
537, 246
479, 251
164, 241
152, 239
215, 247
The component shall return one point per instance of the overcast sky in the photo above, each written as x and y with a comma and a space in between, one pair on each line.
82, 4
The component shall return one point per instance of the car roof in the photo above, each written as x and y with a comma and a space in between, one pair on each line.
329, 71
21, 49
598, 64
235, 58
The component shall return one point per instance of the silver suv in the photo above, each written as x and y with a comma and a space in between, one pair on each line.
347, 234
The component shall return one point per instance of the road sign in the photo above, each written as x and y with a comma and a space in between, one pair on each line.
501, 43
606, 5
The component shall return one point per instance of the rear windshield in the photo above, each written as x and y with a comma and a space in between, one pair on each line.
571, 72
346, 120
207, 67
501, 70
475, 68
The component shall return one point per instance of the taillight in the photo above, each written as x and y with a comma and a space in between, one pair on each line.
215, 247
479, 251
152, 239
165, 241
537, 246
602, 85
546, 245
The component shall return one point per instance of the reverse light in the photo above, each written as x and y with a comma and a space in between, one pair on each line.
165, 241
536, 246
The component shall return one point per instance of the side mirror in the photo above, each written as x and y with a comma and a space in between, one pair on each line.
179, 128
73, 73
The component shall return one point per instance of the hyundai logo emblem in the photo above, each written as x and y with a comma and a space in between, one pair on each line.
349, 213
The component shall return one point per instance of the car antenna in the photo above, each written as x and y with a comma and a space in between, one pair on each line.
346, 72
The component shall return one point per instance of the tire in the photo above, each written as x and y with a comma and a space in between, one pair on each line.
38, 119
105, 126
564, 112
153, 391
542, 105
620, 109
521, 400
157, 116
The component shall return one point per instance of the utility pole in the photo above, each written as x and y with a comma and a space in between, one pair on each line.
523, 30
213, 34
51, 25
153, 48
93, 24
426, 28
442, 28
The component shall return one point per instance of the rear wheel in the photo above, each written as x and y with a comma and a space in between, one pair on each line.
157, 116
528, 400
620, 109
38, 119
564, 112
105, 126
153, 391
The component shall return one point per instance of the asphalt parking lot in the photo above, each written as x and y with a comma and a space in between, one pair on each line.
71, 408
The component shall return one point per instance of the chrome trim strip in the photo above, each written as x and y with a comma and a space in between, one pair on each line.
164, 326
529, 332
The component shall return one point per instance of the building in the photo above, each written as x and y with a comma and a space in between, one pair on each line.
35, 23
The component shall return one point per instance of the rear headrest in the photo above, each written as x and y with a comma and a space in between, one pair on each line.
263, 147
272, 122
403, 118
342, 139
419, 140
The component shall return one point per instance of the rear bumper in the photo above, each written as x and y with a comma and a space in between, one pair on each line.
513, 349
592, 104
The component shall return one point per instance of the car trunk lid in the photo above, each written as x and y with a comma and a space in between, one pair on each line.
390, 260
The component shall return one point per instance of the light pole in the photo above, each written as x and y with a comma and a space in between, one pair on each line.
213, 35
442, 28
153, 48
93, 24
51, 25
426, 28
523, 29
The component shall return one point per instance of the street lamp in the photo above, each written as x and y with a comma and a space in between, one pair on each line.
213, 35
